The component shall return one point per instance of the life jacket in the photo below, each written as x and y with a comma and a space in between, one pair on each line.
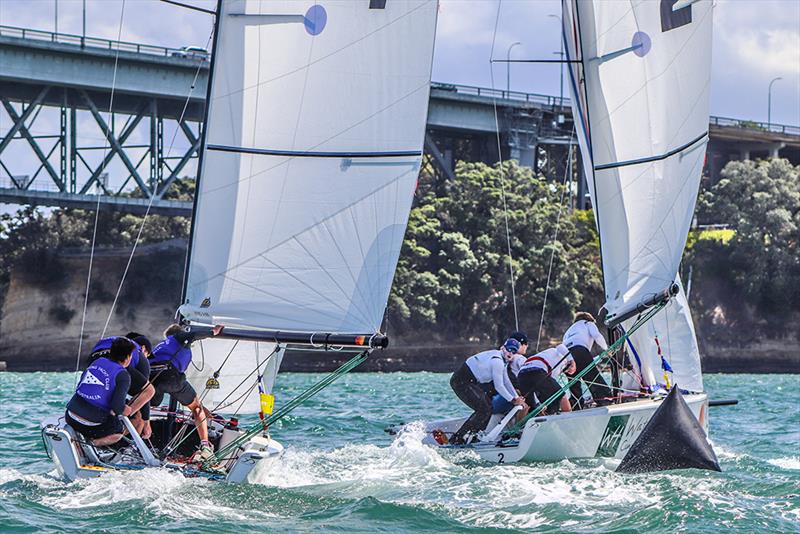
103, 347
98, 383
173, 352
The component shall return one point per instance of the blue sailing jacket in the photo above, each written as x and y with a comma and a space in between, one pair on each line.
171, 350
102, 348
99, 382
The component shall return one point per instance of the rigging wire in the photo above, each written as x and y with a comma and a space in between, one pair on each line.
153, 193
106, 144
555, 236
502, 180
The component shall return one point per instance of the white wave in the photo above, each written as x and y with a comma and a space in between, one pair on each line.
792, 462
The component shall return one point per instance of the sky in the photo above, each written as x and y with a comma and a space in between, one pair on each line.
754, 42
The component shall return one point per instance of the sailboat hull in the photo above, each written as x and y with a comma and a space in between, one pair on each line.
605, 432
75, 460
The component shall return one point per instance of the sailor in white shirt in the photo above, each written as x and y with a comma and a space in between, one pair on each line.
537, 377
476, 382
579, 339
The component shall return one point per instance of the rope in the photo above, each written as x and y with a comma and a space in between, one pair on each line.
502, 180
555, 238
106, 144
288, 407
152, 193
171, 446
597, 359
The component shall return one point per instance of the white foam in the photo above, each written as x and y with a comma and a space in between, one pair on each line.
792, 462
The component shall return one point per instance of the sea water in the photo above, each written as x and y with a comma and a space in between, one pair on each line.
342, 473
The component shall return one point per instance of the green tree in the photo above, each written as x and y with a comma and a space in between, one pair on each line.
758, 268
453, 277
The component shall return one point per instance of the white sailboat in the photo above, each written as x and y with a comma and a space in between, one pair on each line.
639, 75
312, 145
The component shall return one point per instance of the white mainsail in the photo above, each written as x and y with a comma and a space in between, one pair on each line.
640, 77
640, 98
314, 142
314, 132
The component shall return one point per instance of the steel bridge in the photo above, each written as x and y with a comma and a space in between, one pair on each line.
125, 152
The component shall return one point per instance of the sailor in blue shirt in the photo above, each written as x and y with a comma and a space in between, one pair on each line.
99, 399
168, 366
140, 390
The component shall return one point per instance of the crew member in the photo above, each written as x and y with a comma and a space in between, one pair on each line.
168, 366
99, 399
141, 390
499, 404
537, 377
476, 382
579, 339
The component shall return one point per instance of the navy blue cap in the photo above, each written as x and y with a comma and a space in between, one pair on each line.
512, 345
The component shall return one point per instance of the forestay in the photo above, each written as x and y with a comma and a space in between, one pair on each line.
640, 96
314, 142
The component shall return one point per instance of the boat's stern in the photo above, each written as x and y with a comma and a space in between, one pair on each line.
68, 455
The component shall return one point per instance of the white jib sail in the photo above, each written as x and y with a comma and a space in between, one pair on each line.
314, 141
238, 365
640, 99
674, 330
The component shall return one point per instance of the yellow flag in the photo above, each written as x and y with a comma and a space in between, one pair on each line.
267, 402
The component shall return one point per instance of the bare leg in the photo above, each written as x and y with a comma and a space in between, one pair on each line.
564, 404
199, 416
143, 398
138, 423
106, 440
146, 431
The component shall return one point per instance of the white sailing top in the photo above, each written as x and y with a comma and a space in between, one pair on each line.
585, 334
490, 366
552, 360
516, 363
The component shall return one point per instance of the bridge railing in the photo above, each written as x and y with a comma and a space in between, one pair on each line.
501, 94
754, 125
93, 42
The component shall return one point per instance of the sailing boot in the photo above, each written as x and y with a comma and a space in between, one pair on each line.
204, 453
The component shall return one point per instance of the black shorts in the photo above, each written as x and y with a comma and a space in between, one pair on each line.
173, 382
112, 425
543, 385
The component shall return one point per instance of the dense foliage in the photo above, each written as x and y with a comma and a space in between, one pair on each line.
750, 274
453, 281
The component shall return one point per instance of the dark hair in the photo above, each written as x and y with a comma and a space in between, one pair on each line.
133, 335
173, 329
144, 342
584, 316
520, 336
121, 348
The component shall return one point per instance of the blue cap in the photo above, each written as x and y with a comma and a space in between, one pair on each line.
512, 345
